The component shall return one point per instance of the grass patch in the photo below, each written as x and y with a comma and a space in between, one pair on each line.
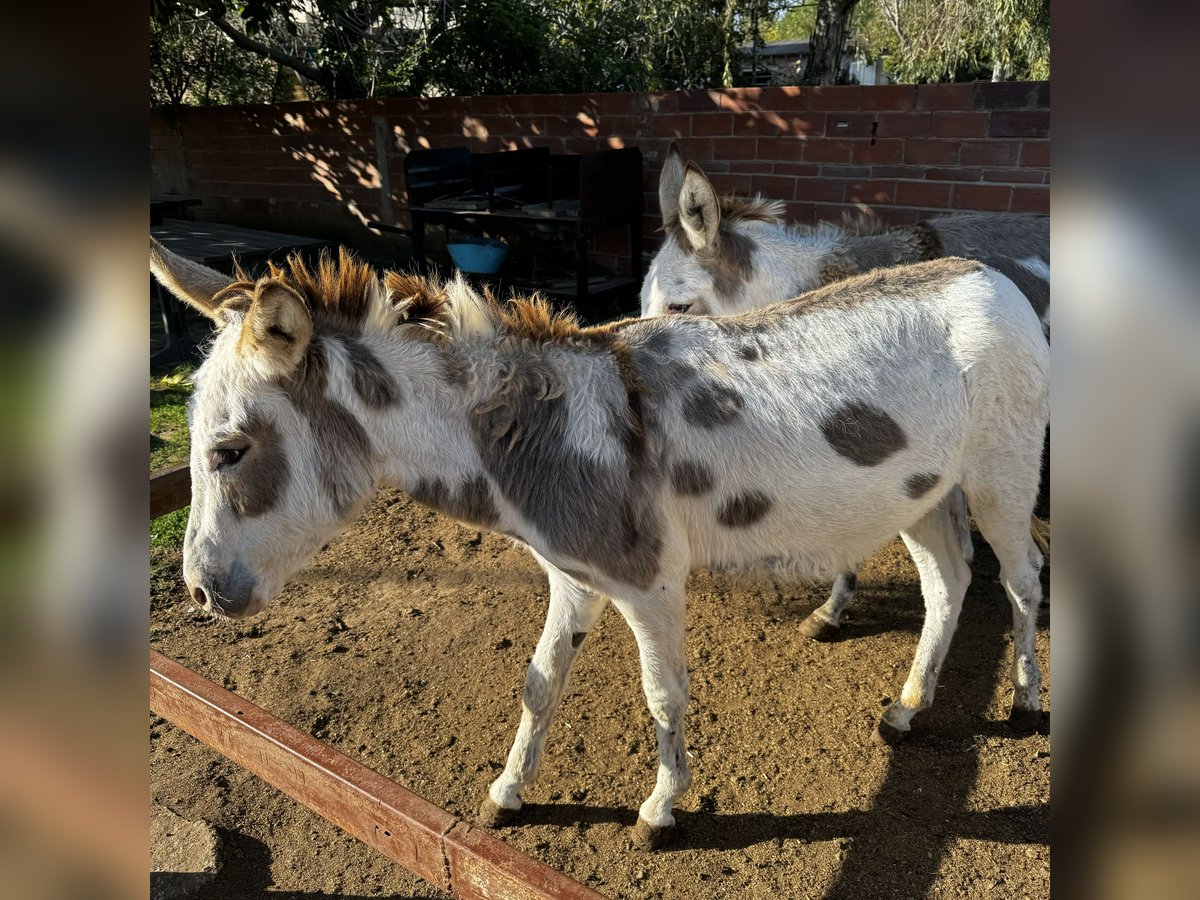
169, 446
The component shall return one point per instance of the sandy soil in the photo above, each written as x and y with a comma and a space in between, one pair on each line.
405, 643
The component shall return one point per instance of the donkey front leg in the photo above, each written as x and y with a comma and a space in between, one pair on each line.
945, 576
573, 612
657, 623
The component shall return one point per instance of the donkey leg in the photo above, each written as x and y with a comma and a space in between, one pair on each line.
573, 612
962, 523
823, 623
657, 623
933, 543
1006, 528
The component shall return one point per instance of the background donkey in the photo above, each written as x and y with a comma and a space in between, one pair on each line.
724, 255
797, 438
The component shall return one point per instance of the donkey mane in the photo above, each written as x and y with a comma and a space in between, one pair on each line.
741, 209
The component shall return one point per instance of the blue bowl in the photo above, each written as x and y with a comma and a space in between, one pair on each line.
483, 257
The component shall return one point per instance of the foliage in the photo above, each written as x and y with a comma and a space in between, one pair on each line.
939, 40
169, 445
221, 51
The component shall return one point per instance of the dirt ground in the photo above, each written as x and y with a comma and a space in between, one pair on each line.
405, 643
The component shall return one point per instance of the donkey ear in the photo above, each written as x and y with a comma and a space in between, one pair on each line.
669, 184
277, 328
191, 282
699, 211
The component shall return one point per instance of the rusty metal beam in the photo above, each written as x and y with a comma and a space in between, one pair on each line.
446, 852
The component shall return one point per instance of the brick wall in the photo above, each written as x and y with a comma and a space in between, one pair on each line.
902, 151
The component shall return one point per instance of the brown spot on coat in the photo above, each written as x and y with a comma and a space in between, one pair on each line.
472, 502
255, 485
863, 433
690, 479
710, 405
371, 380
744, 509
344, 449
577, 638
920, 484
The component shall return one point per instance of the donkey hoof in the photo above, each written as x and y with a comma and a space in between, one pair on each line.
888, 735
650, 837
1026, 721
819, 629
492, 815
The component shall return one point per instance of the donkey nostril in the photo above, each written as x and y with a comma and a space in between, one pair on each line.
198, 596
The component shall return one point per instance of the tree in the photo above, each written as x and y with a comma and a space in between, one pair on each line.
191, 61
828, 41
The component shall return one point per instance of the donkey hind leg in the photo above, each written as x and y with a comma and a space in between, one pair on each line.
1005, 526
573, 612
657, 623
962, 523
933, 543
824, 622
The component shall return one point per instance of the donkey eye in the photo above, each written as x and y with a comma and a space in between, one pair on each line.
224, 456
679, 307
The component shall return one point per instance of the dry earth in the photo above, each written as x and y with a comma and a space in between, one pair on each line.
405, 643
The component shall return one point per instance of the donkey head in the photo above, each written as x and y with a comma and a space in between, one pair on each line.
278, 463
717, 256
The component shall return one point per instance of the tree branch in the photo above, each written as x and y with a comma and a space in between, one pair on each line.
301, 66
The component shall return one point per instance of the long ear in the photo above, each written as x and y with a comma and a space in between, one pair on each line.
699, 211
277, 328
191, 282
669, 184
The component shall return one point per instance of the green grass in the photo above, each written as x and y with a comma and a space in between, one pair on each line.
169, 446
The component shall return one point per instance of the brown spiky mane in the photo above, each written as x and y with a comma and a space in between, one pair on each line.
335, 292
750, 209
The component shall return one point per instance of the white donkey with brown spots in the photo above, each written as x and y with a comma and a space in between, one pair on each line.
725, 255
608, 452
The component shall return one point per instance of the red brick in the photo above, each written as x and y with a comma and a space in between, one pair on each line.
850, 125
804, 124
699, 101
878, 173
774, 187
732, 184
764, 123
1031, 200
860, 172
931, 153
1021, 123
1035, 153
838, 97
735, 148
871, 192
752, 167
877, 151
806, 170
1011, 94
986, 197
888, 96
945, 96
712, 124
821, 150
989, 153
898, 216
804, 213
783, 147
695, 148
955, 124
923, 193
955, 174
908, 125
820, 189
785, 98
1013, 176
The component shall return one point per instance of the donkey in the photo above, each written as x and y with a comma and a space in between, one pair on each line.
725, 255
607, 452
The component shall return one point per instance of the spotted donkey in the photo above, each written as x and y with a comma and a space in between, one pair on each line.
607, 451
725, 255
